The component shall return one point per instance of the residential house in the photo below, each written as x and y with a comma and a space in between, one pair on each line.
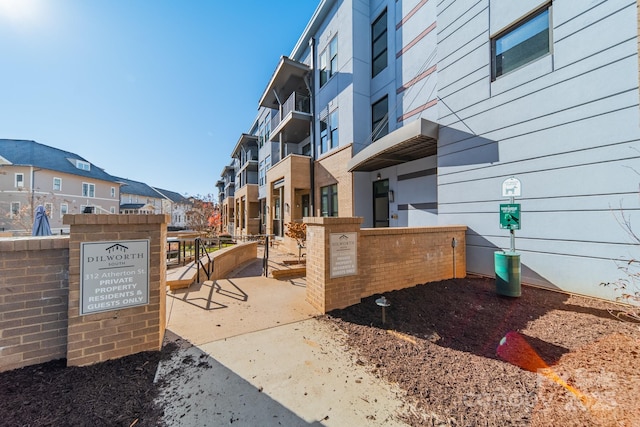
33, 174
177, 206
139, 198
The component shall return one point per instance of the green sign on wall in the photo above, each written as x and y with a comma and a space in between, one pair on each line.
510, 216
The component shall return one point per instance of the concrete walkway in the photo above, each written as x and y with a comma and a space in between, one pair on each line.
252, 354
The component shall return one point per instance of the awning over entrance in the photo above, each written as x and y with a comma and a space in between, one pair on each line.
413, 141
287, 78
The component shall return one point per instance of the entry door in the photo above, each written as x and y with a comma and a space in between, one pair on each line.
381, 203
305, 205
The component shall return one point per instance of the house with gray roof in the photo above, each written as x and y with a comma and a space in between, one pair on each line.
33, 174
177, 206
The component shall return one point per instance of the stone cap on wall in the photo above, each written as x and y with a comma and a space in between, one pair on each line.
90, 219
30, 243
412, 230
331, 220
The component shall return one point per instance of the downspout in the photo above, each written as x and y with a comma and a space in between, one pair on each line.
310, 82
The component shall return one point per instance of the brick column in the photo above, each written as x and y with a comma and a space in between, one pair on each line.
112, 334
323, 292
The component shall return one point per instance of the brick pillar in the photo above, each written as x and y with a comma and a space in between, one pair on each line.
324, 292
96, 337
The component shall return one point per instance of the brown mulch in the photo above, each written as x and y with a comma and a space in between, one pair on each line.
112, 393
440, 345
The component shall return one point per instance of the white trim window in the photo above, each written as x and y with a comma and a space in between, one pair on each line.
64, 209
88, 190
329, 61
113, 191
522, 43
81, 164
19, 180
57, 184
48, 207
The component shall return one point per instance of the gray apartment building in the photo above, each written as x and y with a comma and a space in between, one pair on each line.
415, 112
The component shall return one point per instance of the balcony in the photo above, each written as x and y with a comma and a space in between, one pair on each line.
293, 119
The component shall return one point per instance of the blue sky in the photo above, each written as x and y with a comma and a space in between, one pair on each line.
157, 91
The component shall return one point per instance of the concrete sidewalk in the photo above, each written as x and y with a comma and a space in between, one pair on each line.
252, 354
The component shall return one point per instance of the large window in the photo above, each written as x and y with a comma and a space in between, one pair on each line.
329, 61
379, 44
329, 132
329, 200
521, 44
379, 118
88, 190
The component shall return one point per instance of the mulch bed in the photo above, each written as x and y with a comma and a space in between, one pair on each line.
112, 393
440, 345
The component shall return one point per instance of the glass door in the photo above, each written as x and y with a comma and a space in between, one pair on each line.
381, 203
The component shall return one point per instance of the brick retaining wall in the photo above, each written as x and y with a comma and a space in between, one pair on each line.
34, 290
387, 259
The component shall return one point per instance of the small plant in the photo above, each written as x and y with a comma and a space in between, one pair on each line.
629, 285
297, 231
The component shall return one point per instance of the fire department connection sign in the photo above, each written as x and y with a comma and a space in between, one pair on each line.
113, 275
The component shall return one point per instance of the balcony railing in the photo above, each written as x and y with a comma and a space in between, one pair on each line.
296, 102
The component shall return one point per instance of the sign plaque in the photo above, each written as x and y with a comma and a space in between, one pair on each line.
511, 187
510, 216
343, 254
113, 275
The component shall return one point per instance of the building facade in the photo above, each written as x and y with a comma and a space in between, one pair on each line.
415, 113
33, 174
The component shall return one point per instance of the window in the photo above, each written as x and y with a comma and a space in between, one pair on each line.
329, 132
88, 190
329, 200
306, 150
64, 209
333, 128
329, 61
113, 191
112, 209
261, 173
523, 43
81, 164
19, 180
379, 118
379, 44
57, 184
48, 207
15, 209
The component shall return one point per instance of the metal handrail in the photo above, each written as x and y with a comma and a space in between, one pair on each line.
208, 269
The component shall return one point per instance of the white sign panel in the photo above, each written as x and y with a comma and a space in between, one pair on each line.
511, 187
343, 254
113, 275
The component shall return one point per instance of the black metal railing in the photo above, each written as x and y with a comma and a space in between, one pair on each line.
201, 253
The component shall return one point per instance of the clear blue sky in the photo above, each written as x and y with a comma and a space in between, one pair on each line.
156, 91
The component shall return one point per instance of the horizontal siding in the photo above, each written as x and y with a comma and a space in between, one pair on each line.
567, 125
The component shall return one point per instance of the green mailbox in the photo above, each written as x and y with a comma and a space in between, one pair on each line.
510, 216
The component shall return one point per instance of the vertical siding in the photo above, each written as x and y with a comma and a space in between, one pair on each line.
566, 125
